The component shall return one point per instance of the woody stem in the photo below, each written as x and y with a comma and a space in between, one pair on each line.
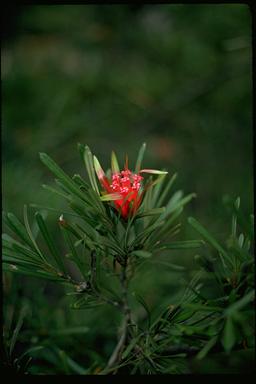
117, 353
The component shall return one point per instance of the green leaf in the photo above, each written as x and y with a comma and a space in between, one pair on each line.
75, 367
147, 232
80, 181
151, 212
56, 191
237, 203
81, 149
176, 197
171, 207
98, 168
71, 228
112, 245
166, 228
88, 160
197, 226
241, 240
15, 225
95, 202
159, 182
61, 175
169, 265
17, 248
229, 335
43, 207
240, 303
140, 158
143, 254
85, 230
154, 171
207, 347
145, 306
111, 197
130, 347
166, 190
86, 302
49, 241
186, 244
234, 218
29, 272
11, 258
203, 308
31, 351
23, 313
75, 257
25, 212
114, 163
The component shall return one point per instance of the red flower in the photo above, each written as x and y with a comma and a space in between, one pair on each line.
124, 187
128, 185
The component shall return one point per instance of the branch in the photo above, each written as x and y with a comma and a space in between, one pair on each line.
93, 269
117, 353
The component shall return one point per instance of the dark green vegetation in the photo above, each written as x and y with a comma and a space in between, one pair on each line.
179, 78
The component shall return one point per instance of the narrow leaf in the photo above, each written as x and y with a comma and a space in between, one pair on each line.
73, 251
35, 273
186, 244
143, 254
140, 157
240, 303
207, 347
180, 203
25, 212
130, 347
64, 178
15, 225
172, 266
145, 306
229, 335
114, 163
197, 226
111, 196
49, 241
17, 329
89, 163
151, 212
166, 190
153, 171
56, 191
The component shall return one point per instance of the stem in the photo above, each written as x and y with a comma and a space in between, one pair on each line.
124, 285
117, 353
93, 269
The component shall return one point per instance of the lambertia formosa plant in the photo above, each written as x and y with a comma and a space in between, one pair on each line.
118, 220
122, 217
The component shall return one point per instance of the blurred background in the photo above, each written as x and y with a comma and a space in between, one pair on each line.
178, 77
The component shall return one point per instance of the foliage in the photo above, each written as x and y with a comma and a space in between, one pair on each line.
108, 251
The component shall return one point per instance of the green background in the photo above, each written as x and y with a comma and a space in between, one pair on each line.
178, 77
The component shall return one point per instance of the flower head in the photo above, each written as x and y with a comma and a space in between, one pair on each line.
125, 188
129, 186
